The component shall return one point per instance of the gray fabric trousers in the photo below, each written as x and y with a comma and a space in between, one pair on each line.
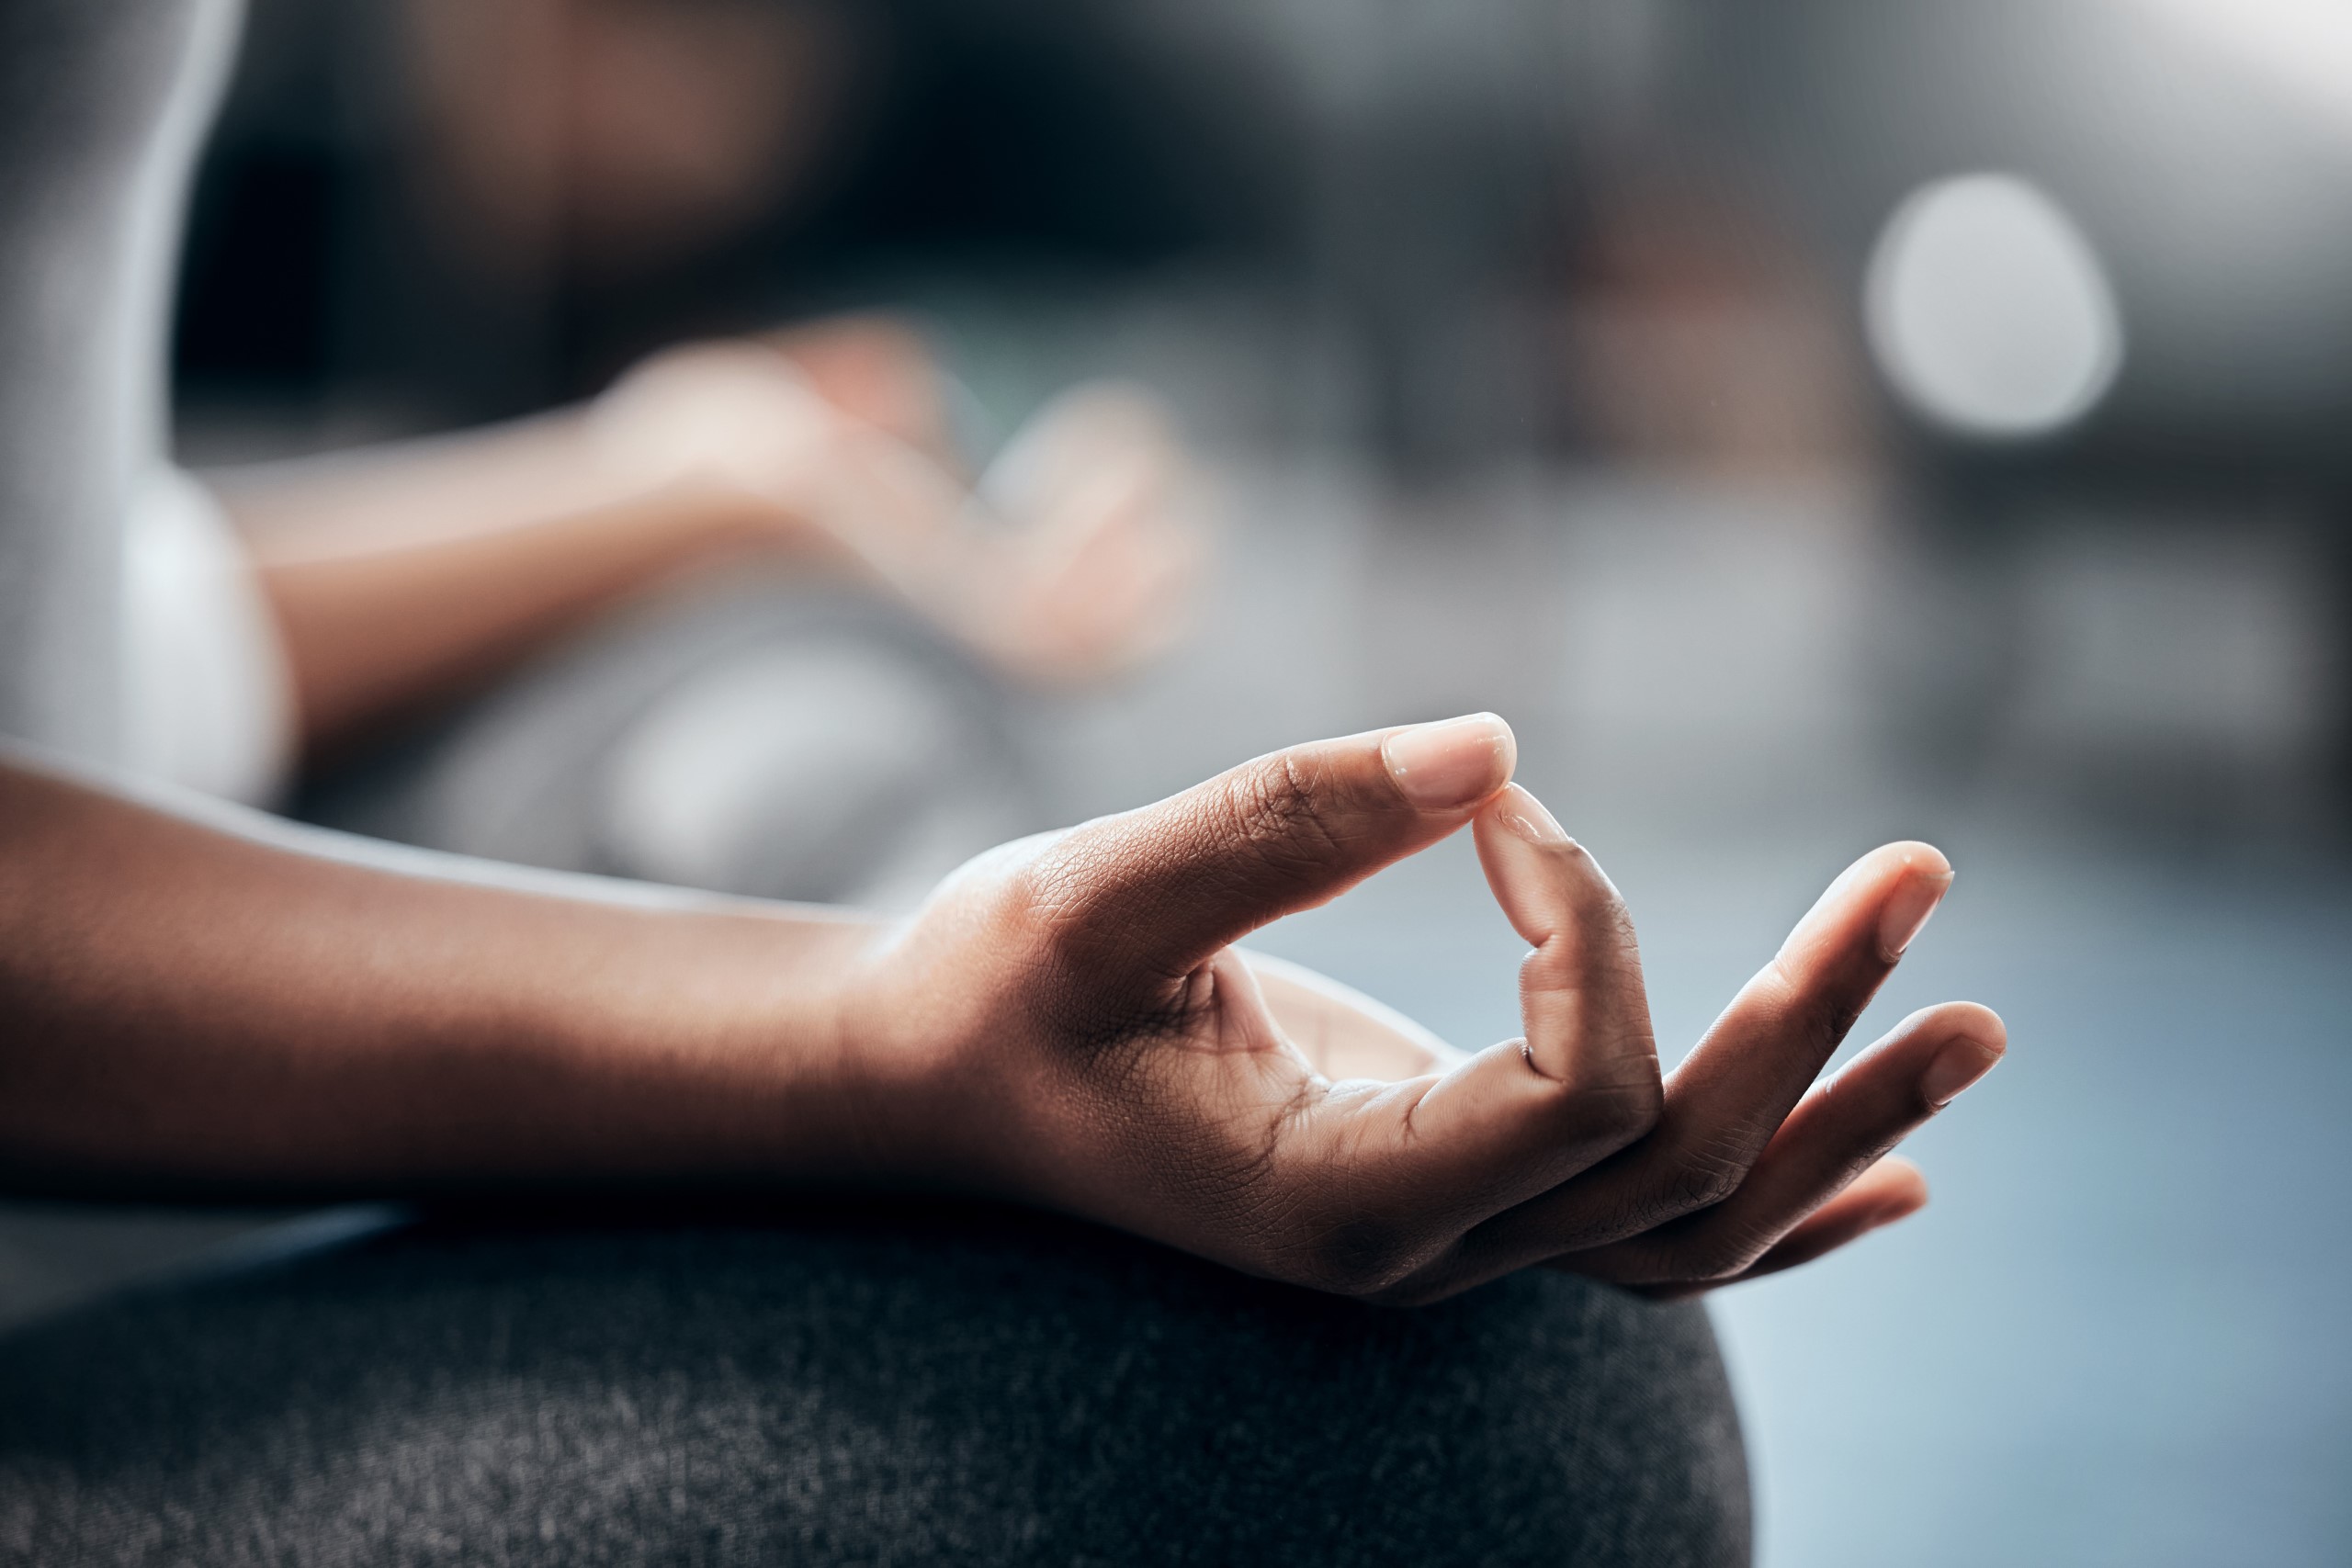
855, 1386
743, 733
874, 1385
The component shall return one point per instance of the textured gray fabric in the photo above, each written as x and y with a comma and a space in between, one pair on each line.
101, 103
868, 1386
868, 759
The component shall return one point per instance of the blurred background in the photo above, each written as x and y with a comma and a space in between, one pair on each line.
1809, 423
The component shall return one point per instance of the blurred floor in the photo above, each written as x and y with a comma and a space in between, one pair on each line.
2113, 1336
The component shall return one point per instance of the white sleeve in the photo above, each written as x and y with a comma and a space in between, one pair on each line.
210, 702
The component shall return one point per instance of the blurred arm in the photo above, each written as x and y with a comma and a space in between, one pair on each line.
400, 577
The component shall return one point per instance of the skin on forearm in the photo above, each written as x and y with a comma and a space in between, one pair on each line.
402, 578
238, 1007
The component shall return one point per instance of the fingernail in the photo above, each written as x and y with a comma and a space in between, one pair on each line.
1524, 815
1450, 763
1956, 1067
1907, 909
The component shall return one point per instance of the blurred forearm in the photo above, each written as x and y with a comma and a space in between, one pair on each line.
402, 577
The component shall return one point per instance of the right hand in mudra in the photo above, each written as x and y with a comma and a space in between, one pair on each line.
1067, 1022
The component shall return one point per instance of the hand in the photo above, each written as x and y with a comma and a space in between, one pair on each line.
1067, 1023
1096, 556
1074, 559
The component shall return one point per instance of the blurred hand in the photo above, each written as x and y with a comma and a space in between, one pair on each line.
1072, 560
1098, 557
1067, 1023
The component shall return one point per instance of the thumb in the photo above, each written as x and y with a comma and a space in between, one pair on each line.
1149, 895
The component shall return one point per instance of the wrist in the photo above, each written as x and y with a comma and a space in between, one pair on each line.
925, 1081
729, 1054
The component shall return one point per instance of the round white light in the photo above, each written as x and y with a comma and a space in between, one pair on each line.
1989, 310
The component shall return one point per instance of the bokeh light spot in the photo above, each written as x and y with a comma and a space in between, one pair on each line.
1989, 310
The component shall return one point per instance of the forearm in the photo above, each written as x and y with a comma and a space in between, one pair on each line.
402, 577
192, 1007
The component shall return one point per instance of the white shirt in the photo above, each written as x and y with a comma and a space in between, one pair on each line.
210, 700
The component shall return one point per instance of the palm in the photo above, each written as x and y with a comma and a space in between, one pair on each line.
1342, 1034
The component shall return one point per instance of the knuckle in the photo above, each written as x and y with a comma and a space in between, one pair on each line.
1553, 967
1035, 876
1819, 1010
1712, 1258
1049, 902
1607, 917
1054, 952
1283, 808
1829, 1019
1623, 1113
1693, 1254
1619, 918
1701, 1177
1038, 907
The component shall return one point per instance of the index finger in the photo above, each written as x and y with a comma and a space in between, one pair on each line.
1433, 1156
1151, 895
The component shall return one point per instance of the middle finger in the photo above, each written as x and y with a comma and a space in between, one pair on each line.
1731, 1094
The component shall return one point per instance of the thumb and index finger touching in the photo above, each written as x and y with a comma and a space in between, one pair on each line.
1151, 895
1159, 890
1143, 899
1148, 897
